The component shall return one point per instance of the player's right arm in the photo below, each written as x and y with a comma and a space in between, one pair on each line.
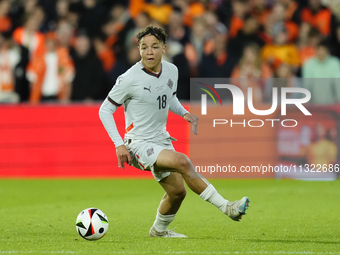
116, 98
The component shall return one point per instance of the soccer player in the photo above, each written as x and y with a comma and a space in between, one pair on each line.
148, 92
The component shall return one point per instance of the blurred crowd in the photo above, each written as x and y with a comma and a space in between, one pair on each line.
74, 50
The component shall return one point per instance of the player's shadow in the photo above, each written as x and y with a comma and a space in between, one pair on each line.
290, 241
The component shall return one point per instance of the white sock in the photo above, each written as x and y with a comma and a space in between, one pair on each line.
211, 195
162, 221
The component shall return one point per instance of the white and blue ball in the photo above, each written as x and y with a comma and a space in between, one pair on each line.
92, 224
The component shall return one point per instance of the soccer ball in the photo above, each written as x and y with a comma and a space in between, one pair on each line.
92, 224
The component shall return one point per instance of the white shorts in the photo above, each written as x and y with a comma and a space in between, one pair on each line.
144, 154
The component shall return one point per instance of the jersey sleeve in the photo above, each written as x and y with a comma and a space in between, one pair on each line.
120, 91
105, 113
176, 81
175, 105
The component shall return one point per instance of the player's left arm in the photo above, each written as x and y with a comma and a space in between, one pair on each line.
177, 108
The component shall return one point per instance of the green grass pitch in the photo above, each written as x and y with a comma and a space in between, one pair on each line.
285, 217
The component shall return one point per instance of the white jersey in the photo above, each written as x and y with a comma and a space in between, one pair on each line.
147, 97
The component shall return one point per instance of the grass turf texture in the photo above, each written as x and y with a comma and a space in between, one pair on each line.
285, 217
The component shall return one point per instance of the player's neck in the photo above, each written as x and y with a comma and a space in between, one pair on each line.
155, 69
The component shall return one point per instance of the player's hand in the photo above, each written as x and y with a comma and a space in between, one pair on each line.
193, 120
123, 156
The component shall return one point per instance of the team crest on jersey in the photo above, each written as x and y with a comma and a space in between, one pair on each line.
170, 83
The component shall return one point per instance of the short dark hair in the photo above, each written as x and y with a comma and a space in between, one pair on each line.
157, 32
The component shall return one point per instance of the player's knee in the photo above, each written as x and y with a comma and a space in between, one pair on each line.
182, 193
179, 194
183, 163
